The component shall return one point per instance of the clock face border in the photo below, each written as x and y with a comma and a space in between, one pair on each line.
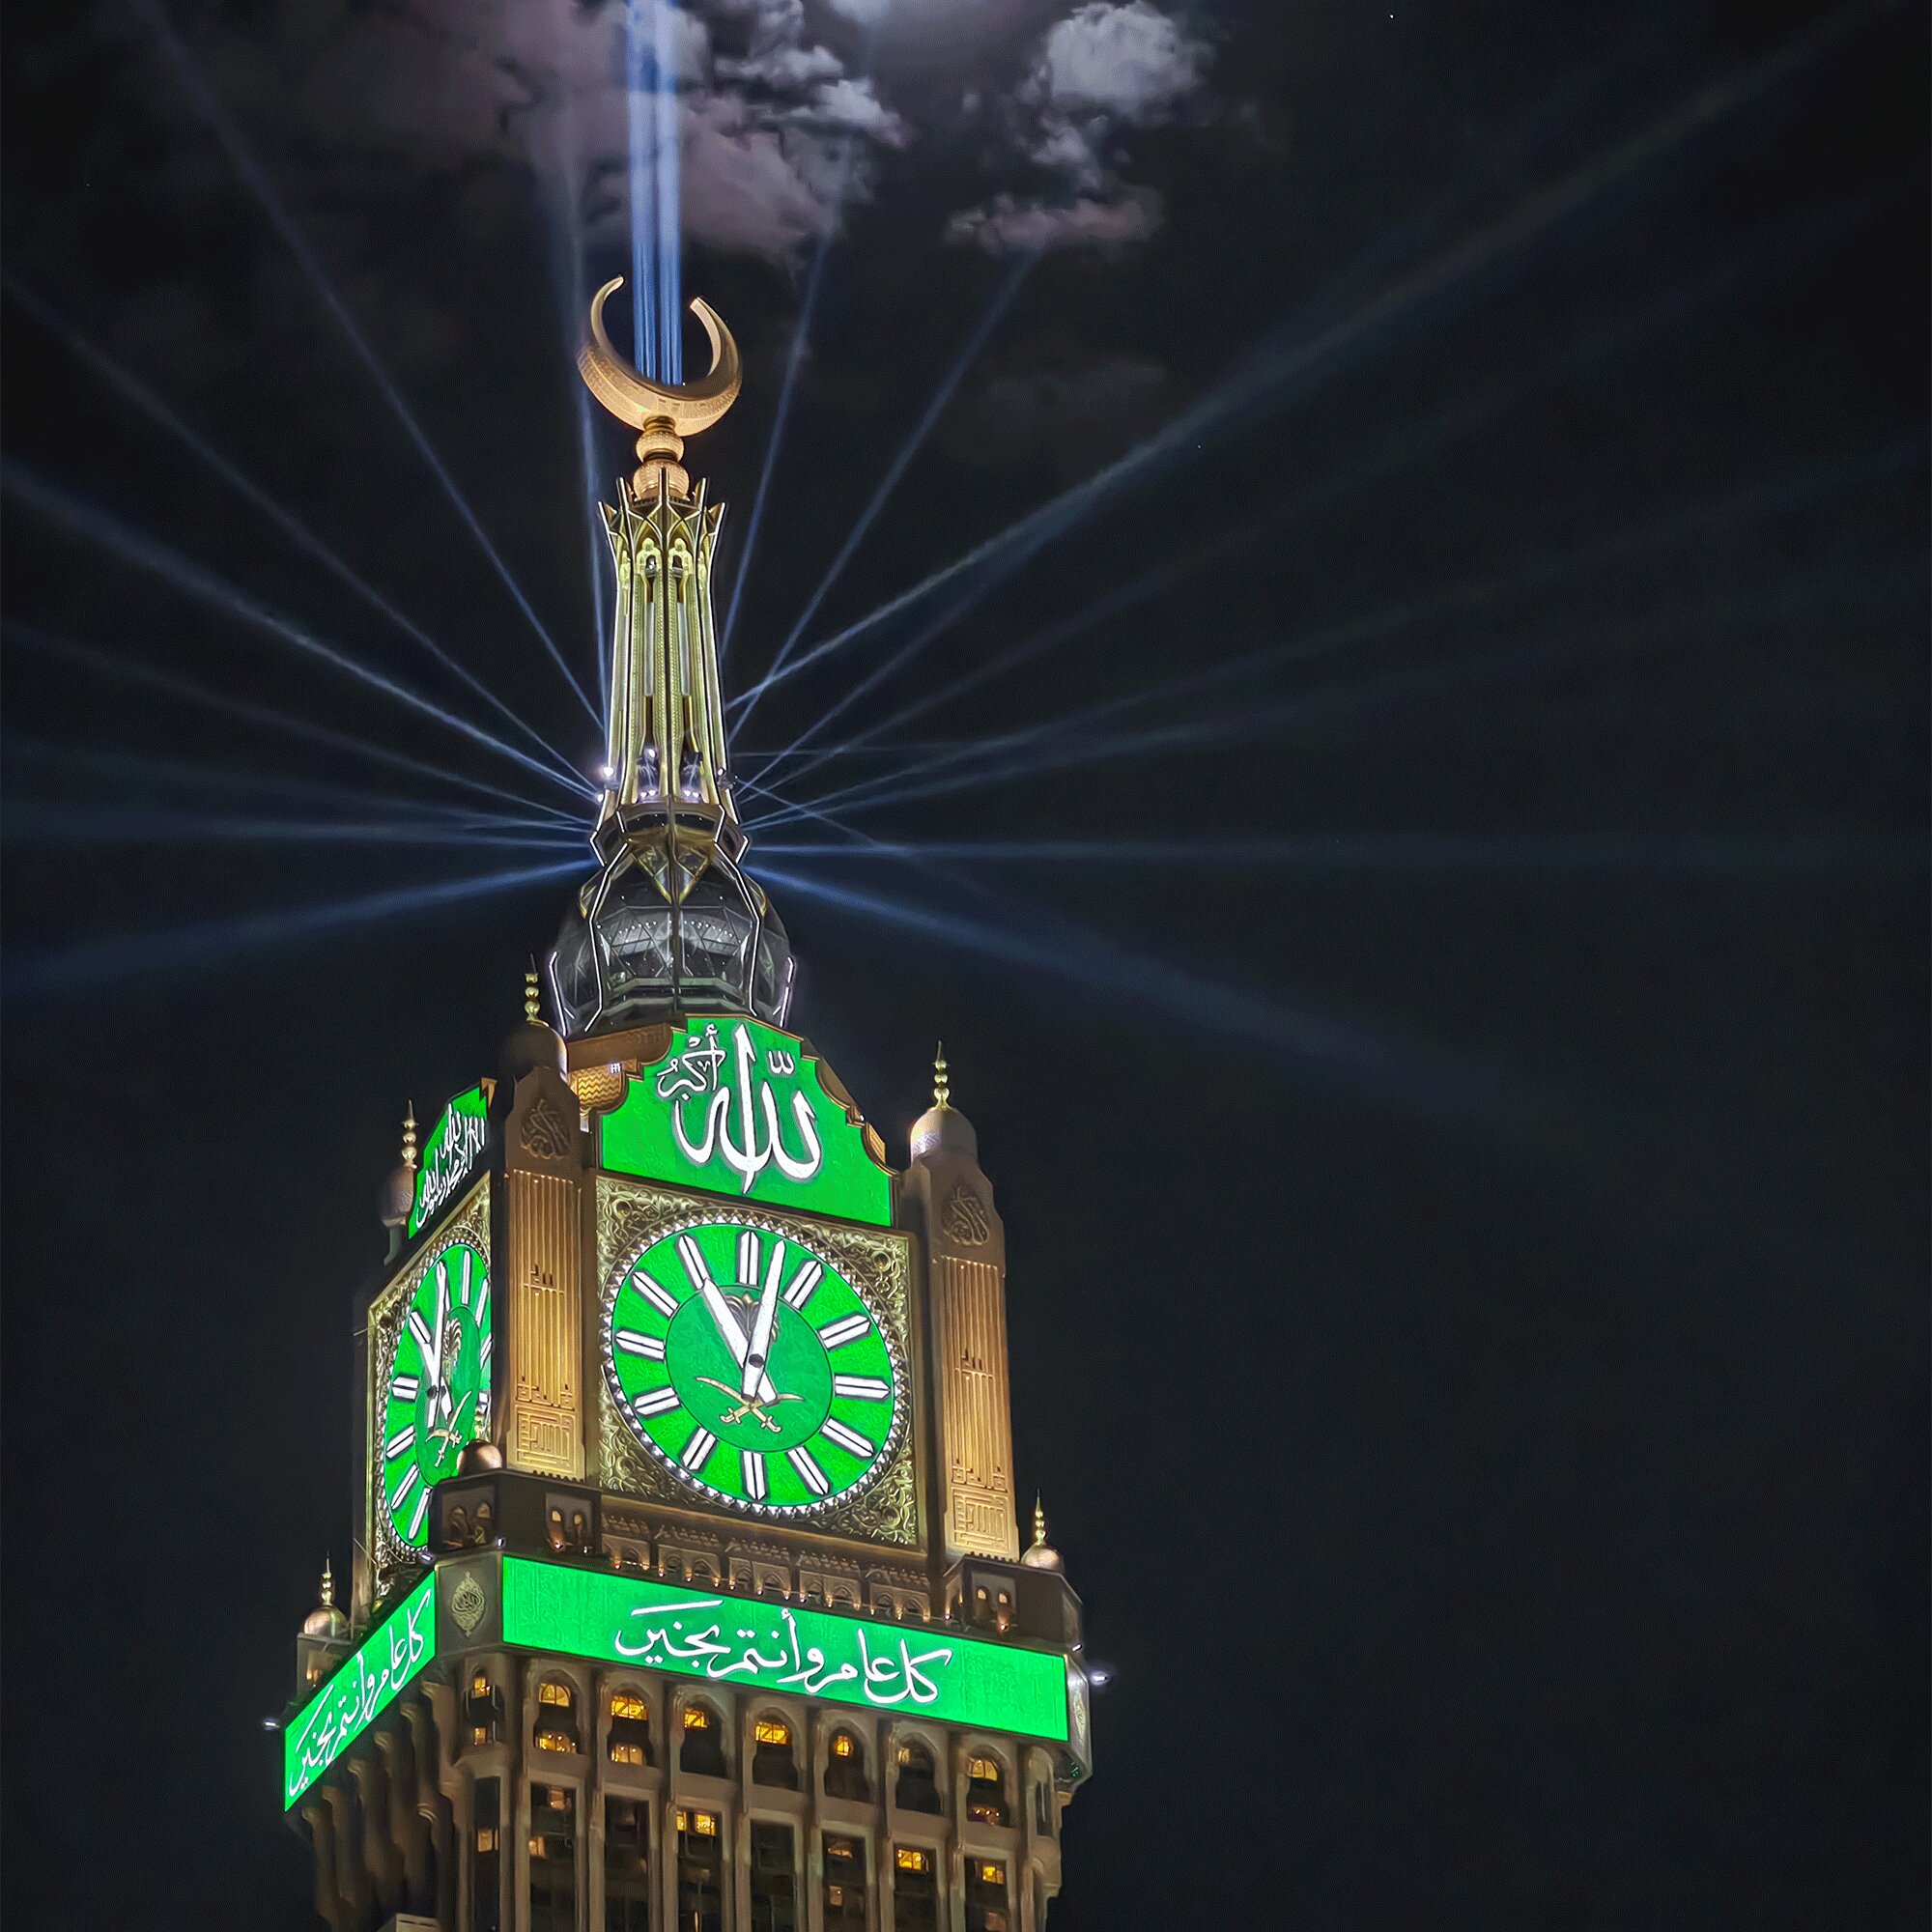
798, 1235
465, 1224
891, 1513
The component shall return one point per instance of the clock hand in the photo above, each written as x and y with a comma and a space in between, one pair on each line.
723, 1314
761, 1327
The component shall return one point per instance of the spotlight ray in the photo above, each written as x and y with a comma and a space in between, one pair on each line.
96, 524
96, 962
147, 768
975, 344
54, 822
1417, 439
1715, 852
1262, 381
101, 663
242, 158
801, 337
1328, 1047
1774, 496
291, 526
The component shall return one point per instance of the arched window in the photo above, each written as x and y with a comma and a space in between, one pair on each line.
917, 1788
986, 1790
703, 1747
556, 1717
483, 1710
845, 1769
915, 1889
773, 1760
630, 1729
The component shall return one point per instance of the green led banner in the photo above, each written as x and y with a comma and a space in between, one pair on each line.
738, 1108
361, 1690
755, 1644
449, 1157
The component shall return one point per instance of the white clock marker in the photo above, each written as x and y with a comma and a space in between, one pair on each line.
655, 1292
861, 1388
835, 1430
417, 1520
409, 1482
699, 1449
836, 1334
633, 1343
655, 1401
402, 1389
812, 1476
401, 1442
754, 1474
807, 1277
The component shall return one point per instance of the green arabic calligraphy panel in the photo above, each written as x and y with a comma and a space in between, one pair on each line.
749, 1644
360, 1690
449, 1155
739, 1108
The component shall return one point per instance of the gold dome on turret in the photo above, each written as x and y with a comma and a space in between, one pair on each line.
942, 1129
1041, 1554
327, 1620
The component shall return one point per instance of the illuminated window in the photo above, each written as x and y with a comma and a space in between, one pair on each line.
485, 1884
483, 1710
556, 1717
701, 1748
774, 1886
630, 1738
845, 1770
917, 1788
986, 1908
627, 1868
986, 1790
844, 1886
701, 1869
553, 1859
914, 1890
773, 1761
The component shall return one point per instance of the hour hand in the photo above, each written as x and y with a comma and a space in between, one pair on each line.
723, 1314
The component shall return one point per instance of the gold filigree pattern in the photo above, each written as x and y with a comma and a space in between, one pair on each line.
878, 1262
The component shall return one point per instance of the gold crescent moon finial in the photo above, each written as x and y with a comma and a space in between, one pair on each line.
635, 399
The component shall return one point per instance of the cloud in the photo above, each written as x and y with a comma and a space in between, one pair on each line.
1131, 63
1104, 68
1006, 224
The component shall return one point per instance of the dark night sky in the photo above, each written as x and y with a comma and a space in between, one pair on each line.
1468, 1272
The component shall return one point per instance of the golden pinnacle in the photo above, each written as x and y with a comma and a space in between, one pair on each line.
532, 996
327, 1585
409, 1138
942, 1084
1038, 1524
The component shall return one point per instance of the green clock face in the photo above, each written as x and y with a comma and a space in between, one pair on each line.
751, 1369
438, 1394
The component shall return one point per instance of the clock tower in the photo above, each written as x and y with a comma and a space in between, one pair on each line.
688, 1593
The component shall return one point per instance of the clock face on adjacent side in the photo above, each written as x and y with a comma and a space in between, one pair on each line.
751, 1369
438, 1394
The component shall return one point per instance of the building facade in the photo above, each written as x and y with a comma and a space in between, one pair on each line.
689, 1593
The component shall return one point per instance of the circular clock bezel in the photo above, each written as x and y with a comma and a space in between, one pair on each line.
791, 1232
421, 1270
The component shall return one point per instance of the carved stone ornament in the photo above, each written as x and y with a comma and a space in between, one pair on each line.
963, 1218
630, 1216
467, 1603
546, 1133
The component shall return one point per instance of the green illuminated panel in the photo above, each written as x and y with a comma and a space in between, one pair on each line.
361, 1690
737, 1108
755, 1644
449, 1156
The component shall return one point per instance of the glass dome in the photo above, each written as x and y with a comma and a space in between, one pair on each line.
628, 953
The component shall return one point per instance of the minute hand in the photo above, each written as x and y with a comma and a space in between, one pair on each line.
762, 1328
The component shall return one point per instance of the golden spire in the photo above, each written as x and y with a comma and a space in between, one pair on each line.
409, 1138
533, 997
327, 1585
1038, 1524
942, 1081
